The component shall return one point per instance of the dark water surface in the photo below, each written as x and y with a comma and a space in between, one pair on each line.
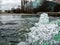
13, 28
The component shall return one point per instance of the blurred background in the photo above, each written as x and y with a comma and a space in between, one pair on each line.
29, 6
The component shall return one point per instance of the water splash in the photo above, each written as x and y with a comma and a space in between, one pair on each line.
43, 31
22, 43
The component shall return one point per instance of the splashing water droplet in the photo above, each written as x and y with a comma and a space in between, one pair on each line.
44, 31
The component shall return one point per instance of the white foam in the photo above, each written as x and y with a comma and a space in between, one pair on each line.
44, 30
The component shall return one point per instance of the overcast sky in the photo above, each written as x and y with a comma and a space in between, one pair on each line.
8, 4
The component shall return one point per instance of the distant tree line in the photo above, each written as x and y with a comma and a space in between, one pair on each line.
13, 10
47, 6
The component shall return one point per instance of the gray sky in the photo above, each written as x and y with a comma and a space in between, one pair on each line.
8, 4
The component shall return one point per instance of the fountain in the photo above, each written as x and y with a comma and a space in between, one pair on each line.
42, 32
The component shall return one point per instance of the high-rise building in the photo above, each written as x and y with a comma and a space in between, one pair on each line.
23, 2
